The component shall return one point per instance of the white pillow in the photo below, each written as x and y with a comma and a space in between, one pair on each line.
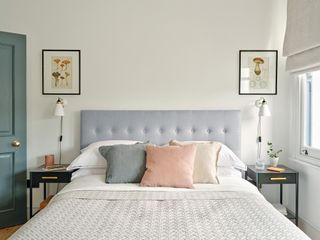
90, 156
227, 158
88, 171
228, 172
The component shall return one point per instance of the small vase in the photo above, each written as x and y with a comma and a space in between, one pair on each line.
274, 161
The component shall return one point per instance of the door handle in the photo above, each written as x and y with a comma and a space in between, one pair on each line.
15, 143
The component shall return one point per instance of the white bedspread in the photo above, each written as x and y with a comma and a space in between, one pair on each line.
87, 208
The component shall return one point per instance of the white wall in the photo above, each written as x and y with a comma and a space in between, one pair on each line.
148, 54
309, 196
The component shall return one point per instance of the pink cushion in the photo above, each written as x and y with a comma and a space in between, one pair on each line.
169, 166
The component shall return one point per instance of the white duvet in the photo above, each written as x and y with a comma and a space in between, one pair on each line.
88, 208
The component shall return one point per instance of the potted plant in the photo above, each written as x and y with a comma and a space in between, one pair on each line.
273, 154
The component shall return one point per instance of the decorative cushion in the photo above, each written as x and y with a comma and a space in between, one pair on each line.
226, 158
169, 166
125, 163
205, 163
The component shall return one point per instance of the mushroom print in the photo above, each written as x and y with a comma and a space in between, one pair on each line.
257, 68
61, 72
56, 77
67, 75
57, 60
62, 78
66, 62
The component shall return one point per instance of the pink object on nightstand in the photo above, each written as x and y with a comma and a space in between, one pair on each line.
48, 160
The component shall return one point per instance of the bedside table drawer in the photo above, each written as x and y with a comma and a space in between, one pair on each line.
51, 177
277, 178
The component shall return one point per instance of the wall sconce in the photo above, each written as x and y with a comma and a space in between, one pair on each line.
59, 112
264, 111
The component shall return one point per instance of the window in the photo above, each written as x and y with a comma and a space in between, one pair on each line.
310, 122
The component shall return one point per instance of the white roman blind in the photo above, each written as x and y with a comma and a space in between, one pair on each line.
302, 38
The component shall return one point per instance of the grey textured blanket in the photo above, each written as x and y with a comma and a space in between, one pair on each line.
159, 215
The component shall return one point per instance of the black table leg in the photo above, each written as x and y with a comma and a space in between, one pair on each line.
44, 191
280, 193
258, 184
30, 196
297, 199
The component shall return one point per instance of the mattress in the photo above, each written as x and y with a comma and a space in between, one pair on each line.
87, 208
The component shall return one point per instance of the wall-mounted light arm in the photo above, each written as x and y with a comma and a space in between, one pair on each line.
59, 112
264, 111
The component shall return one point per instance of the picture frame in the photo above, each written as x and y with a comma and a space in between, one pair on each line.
258, 70
61, 72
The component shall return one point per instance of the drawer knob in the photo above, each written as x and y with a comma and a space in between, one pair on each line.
49, 177
278, 178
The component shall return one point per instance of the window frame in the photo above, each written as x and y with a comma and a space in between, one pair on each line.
302, 150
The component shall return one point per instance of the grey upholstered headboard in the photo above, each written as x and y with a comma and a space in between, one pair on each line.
159, 127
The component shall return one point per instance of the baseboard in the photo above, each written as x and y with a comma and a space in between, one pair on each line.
308, 229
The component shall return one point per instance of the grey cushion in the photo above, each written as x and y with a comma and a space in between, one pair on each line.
125, 163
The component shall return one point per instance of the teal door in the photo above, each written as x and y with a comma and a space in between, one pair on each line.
12, 129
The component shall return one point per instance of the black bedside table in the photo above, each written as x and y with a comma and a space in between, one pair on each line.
38, 175
289, 176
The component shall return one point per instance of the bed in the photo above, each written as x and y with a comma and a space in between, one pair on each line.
88, 208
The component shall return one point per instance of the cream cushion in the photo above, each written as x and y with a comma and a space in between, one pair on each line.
205, 163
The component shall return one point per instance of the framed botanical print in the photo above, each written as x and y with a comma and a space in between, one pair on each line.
258, 72
61, 72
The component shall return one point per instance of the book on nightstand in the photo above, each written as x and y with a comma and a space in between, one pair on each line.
55, 167
276, 169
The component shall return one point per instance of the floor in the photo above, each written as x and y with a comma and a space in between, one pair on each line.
5, 233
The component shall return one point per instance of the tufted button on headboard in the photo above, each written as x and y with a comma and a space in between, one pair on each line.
159, 127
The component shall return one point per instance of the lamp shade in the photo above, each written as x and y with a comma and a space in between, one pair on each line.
264, 110
59, 111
